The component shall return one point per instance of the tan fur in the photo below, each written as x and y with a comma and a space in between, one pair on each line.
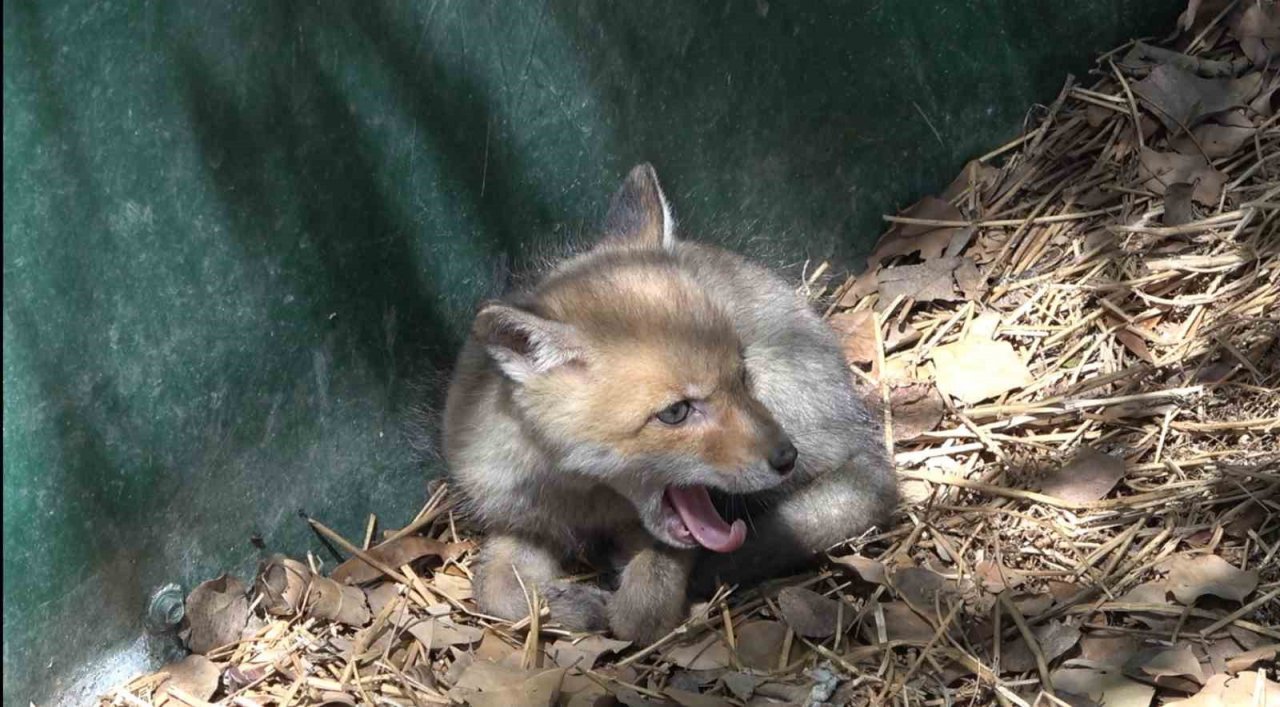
551, 431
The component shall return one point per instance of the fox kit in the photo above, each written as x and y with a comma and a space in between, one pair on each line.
639, 389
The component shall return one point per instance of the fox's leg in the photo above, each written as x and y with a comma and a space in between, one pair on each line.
652, 593
578, 607
792, 529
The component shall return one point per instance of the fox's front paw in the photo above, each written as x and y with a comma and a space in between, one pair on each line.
578, 607
644, 613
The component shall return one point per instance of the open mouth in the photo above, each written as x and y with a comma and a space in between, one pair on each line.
694, 519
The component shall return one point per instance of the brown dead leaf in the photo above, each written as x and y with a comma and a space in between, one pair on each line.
1191, 577
1243, 690
1257, 29
1055, 639
900, 624
195, 675
1173, 662
857, 331
453, 586
707, 653
924, 590
759, 643
1220, 138
485, 684
868, 569
578, 690
996, 578
742, 685
934, 279
807, 612
338, 602
1107, 686
1147, 593
1108, 650
899, 336
395, 553
975, 369
379, 595
216, 612
441, 632
1089, 476
1180, 99
917, 408
1249, 519
930, 241
969, 279
583, 653
1033, 604
1248, 659
975, 174
282, 582
1158, 170
1178, 209
686, 698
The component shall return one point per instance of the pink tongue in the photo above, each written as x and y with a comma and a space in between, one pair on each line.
693, 503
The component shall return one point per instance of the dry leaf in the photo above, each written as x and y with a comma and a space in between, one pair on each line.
583, 653
1088, 477
969, 279
930, 241
452, 586
485, 684
1158, 170
1055, 638
195, 675
442, 632
1257, 29
868, 569
1108, 650
742, 685
975, 369
1182, 100
1178, 209
338, 602
996, 578
759, 643
857, 331
216, 612
578, 690
708, 653
379, 595
495, 650
1191, 577
1217, 139
1147, 593
1033, 605
807, 612
925, 590
1249, 519
1107, 686
1243, 690
1248, 659
931, 280
900, 624
1174, 662
282, 582
685, 698
395, 553
917, 408
975, 174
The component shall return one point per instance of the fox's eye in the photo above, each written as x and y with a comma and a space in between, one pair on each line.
675, 413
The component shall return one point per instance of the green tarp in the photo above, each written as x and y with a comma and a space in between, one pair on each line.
242, 240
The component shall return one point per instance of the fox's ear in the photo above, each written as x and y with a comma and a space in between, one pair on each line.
525, 344
638, 214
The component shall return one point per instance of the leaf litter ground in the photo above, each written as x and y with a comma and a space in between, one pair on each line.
1075, 349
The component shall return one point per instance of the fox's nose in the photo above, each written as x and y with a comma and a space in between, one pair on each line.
783, 457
